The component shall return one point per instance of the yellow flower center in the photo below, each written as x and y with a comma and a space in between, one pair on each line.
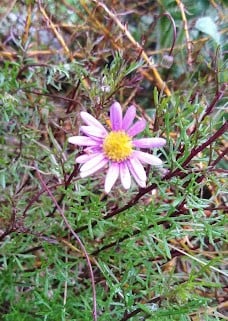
117, 146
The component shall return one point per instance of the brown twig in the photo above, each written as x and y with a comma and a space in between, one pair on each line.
188, 41
55, 31
27, 25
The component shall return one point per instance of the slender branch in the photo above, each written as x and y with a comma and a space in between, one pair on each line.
29, 66
48, 95
168, 15
199, 149
37, 196
215, 162
218, 95
67, 183
76, 237
55, 31
188, 41
25, 35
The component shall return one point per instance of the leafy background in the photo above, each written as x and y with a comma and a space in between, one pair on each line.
157, 253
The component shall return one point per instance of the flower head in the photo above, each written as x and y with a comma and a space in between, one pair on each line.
116, 149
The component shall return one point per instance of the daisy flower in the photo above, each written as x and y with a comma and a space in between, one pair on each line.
118, 149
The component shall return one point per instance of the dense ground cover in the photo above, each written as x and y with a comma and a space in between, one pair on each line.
68, 250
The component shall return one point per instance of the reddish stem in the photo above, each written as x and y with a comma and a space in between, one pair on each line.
76, 237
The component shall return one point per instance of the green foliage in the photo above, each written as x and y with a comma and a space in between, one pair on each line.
156, 253
207, 25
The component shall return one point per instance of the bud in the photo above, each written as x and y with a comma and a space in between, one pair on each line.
167, 61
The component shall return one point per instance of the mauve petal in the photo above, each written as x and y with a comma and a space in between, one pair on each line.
138, 168
90, 120
116, 116
149, 142
125, 175
84, 158
94, 131
94, 169
137, 128
83, 141
129, 117
93, 149
137, 171
111, 177
92, 162
147, 158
